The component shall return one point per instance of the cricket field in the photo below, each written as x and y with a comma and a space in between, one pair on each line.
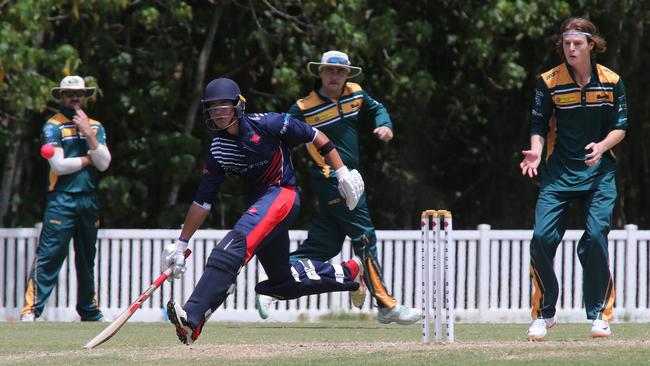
332, 342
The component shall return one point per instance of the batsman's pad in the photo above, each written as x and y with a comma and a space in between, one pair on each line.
310, 277
230, 253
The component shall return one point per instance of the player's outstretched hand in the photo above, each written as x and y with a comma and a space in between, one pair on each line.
350, 186
173, 255
530, 162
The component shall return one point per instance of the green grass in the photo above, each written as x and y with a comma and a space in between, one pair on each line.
343, 342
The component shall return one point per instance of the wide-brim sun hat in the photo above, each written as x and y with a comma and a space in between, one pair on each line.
335, 59
72, 82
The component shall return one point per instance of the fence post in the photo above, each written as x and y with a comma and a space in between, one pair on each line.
483, 270
37, 231
631, 282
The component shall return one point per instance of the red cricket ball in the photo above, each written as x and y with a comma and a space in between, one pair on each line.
47, 151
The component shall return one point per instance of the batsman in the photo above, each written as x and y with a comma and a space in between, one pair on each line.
255, 147
333, 107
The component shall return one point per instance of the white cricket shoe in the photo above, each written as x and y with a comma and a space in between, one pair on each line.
358, 296
538, 328
600, 328
400, 314
263, 304
27, 317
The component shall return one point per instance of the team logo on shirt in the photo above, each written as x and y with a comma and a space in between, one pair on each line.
255, 138
231, 171
565, 99
252, 210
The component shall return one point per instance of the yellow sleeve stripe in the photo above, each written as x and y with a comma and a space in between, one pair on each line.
53, 179
319, 160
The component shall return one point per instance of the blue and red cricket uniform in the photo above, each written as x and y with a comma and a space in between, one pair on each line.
259, 154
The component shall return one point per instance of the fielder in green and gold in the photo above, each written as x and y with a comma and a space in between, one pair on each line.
72, 204
333, 107
579, 115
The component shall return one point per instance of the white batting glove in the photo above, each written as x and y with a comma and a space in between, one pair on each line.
174, 255
350, 186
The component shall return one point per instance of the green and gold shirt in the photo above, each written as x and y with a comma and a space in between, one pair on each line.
569, 118
61, 132
339, 119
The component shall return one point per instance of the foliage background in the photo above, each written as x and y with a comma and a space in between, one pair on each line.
456, 76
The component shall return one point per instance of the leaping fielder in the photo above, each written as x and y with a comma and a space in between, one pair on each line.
255, 147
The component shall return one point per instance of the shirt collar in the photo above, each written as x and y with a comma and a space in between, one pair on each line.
69, 113
594, 73
317, 86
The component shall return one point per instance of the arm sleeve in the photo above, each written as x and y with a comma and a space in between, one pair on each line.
211, 180
63, 166
100, 157
542, 110
377, 110
288, 129
60, 165
620, 107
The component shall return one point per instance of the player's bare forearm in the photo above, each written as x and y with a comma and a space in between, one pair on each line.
536, 143
612, 139
194, 218
598, 148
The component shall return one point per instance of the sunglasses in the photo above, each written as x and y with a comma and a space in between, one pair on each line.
73, 93
338, 60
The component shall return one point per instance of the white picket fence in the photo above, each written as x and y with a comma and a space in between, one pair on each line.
492, 275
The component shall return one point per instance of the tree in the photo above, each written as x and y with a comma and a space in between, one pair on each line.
457, 78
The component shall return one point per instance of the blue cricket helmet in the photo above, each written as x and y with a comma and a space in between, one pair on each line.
222, 89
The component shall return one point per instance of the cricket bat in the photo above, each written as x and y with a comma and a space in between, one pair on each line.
115, 326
